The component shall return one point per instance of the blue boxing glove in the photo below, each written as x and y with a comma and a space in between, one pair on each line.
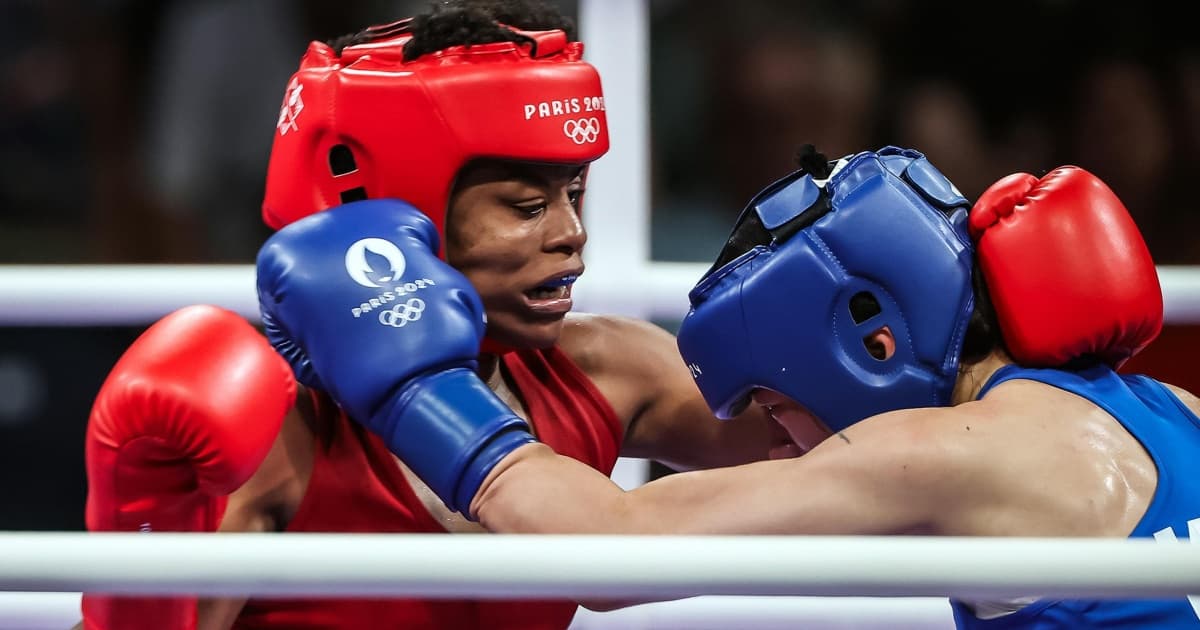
356, 299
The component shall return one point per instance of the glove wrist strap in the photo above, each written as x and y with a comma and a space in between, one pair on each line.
451, 430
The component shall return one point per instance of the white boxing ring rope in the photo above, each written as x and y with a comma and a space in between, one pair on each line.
97, 295
604, 567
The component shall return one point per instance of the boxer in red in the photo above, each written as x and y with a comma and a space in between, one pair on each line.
491, 141
951, 369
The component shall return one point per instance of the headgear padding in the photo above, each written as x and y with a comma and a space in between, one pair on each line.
775, 311
368, 125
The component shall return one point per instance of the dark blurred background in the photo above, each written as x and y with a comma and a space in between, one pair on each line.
137, 131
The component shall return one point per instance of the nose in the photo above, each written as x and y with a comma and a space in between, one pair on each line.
565, 232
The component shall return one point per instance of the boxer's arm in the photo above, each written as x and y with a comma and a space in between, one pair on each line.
266, 503
888, 475
668, 419
185, 417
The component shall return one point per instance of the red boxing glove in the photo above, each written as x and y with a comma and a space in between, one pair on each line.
185, 417
1066, 268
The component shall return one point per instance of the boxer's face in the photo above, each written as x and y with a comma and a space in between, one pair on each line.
800, 431
514, 230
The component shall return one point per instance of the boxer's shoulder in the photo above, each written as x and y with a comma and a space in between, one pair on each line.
940, 449
1024, 459
607, 344
627, 359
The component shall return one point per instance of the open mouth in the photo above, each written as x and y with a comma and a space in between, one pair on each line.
554, 290
554, 295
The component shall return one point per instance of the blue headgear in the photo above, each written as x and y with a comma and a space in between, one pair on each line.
774, 311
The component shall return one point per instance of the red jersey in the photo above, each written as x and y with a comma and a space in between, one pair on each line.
357, 486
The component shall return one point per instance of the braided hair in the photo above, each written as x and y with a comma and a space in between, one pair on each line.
466, 23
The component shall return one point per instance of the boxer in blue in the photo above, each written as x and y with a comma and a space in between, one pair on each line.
963, 357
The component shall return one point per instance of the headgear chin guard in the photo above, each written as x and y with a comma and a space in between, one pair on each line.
366, 124
775, 310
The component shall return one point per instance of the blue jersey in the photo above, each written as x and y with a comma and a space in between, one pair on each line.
1170, 433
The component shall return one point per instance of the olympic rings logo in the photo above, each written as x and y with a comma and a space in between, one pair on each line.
401, 314
583, 130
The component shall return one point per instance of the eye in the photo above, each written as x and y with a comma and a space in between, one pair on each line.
532, 208
575, 196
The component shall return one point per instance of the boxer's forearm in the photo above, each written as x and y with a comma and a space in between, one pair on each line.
536, 491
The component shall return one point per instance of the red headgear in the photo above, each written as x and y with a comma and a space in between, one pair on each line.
368, 125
